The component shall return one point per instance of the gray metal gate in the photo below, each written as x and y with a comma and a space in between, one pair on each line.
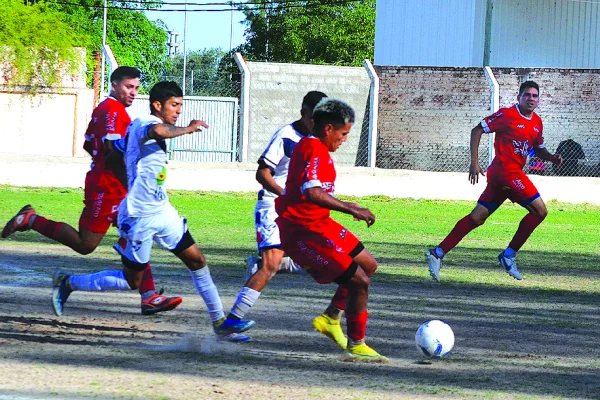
216, 144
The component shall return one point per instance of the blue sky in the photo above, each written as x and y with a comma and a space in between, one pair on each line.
205, 29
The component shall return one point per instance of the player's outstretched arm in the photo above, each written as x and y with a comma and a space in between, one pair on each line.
475, 169
321, 198
545, 155
168, 131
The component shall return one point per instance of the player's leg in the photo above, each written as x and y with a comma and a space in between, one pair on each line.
524, 192
492, 197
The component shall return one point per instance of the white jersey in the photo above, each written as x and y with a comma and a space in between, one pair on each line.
277, 157
146, 161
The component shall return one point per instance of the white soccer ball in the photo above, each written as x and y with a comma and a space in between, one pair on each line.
434, 339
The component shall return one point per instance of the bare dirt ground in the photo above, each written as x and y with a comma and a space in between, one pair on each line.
511, 342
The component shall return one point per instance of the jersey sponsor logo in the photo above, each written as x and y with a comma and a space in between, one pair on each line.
328, 186
98, 205
494, 117
536, 129
311, 253
162, 175
517, 184
521, 126
521, 147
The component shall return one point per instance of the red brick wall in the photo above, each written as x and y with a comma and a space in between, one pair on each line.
426, 113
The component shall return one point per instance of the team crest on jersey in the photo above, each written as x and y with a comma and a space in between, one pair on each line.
162, 175
521, 147
536, 129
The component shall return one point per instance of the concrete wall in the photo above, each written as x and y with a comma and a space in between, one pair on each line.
49, 123
426, 114
276, 92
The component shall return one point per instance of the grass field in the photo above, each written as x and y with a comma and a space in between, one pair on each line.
530, 339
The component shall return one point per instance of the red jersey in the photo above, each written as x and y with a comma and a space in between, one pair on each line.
311, 165
109, 122
515, 136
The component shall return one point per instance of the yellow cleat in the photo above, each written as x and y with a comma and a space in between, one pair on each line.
363, 353
331, 328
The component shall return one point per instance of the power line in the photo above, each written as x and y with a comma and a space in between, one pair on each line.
258, 5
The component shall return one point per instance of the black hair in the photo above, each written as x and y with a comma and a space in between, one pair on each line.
332, 111
124, 73
528, 84
163, 91
312, 98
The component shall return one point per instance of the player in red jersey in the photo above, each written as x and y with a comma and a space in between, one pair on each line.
518, 129
326, 249
105, 187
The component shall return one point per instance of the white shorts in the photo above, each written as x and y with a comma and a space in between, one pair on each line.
165, 228
267, 231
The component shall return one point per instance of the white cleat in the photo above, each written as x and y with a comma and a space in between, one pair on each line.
510, 265
435, 264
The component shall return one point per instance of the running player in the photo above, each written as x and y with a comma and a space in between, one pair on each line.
103, 188
518, 129
327, 250
146, 215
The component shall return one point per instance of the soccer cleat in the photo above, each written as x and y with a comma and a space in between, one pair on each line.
251, 267
363, 353
60, 292
226, 326
158, 303
19, 222
510, 265
235, 338
435, 264
332, 329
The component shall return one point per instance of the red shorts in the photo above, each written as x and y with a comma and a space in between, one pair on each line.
326, 255
502, 185
101, 201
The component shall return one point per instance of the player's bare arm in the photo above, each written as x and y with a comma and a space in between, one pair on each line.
475, 168
264, 176
87, 146
168, 131
114, 161
321, 198
545, 155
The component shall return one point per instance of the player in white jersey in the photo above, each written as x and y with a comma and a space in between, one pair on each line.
272, 174
147, 216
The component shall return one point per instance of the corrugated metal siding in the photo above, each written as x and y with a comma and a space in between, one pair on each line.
216, 144
429, 32
545, 33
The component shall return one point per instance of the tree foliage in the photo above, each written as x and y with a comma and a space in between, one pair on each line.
313, 31
133, 38
204, 76
36, 45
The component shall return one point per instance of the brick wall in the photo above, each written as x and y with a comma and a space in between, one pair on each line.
426, 114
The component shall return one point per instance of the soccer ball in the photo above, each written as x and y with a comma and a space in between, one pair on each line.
434, 339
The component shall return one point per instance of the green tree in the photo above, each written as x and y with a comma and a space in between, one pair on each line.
36, 45
204, 76
133, 38
338, 32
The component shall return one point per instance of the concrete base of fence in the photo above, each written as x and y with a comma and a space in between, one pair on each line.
20, 170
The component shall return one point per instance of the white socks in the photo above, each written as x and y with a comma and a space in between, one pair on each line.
99, 281
289, 266
244, 302
208, 291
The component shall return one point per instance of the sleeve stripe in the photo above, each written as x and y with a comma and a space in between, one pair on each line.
268, 162
310, 184
485, 126
112, 136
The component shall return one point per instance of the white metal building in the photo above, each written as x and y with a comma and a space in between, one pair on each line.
496, 33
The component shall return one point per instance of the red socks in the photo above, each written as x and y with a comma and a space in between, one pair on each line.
460, 230
526, 227
46, 227
340, 296
357, 325
147, 283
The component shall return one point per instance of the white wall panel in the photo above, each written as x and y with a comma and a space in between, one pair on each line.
429, 32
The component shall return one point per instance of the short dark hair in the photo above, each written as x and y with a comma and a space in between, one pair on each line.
312, 98
528, 84
332, 111
163, 91
124, 73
